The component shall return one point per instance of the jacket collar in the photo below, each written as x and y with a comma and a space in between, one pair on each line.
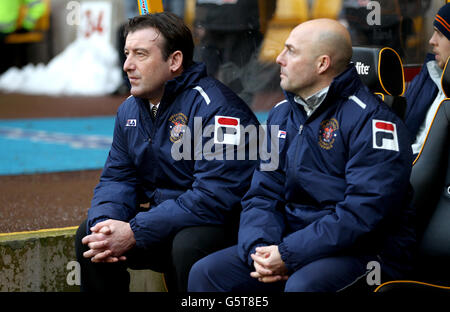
435, 73
187, 80
342, 86
430, 57
313, 101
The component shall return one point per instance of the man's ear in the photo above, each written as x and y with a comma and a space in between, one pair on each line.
323, 63
176, 61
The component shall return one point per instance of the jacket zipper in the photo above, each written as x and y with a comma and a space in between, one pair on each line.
147, 136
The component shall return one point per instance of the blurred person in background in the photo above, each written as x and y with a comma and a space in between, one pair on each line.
425, 93
228, 35
193, 203
364, 28
9, 23
9, 15
395, 27
174, 6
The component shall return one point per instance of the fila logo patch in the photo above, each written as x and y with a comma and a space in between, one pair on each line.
227, 130
131, 123
384, 135
282, 134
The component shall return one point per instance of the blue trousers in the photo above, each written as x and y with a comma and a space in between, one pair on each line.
224, 271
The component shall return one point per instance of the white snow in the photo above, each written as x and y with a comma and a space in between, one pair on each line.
87, 66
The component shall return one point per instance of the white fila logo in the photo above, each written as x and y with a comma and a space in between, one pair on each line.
227, 130
131, 123
384, 135
362, 69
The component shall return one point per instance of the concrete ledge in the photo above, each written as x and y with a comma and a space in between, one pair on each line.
45, 260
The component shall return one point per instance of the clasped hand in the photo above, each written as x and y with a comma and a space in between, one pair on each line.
109, 241
269, 267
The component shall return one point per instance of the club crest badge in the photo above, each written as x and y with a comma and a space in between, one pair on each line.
177, 126
327, 133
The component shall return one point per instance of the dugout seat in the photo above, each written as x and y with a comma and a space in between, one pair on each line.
326, 9
430, 179
381, 70
288, 14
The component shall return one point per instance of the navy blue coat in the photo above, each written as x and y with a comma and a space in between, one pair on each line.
141, 166
420, 94
342, 186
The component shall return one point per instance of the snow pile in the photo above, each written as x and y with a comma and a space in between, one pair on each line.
86, 67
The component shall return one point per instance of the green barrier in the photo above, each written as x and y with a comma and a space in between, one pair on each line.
44, 261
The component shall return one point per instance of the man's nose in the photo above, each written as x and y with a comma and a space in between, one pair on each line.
128, 64
280, 58
432, 41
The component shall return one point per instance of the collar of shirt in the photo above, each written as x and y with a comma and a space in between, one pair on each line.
435, 73
311, 103
151, 105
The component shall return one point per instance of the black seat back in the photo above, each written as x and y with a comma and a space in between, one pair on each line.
430, 178
381, 70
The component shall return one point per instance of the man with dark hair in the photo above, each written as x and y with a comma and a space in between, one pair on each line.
175, 35
425, 93
159, 155
338, 203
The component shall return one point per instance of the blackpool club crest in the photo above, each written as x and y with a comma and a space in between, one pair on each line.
177, 126
327, 133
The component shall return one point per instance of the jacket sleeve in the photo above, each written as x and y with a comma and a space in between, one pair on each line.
262, 221
115, 196
215, 194
377, 182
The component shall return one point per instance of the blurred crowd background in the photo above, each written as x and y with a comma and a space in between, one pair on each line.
66, 47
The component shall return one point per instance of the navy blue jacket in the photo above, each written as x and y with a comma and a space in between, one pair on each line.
342, 185
141, 166
420, 94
